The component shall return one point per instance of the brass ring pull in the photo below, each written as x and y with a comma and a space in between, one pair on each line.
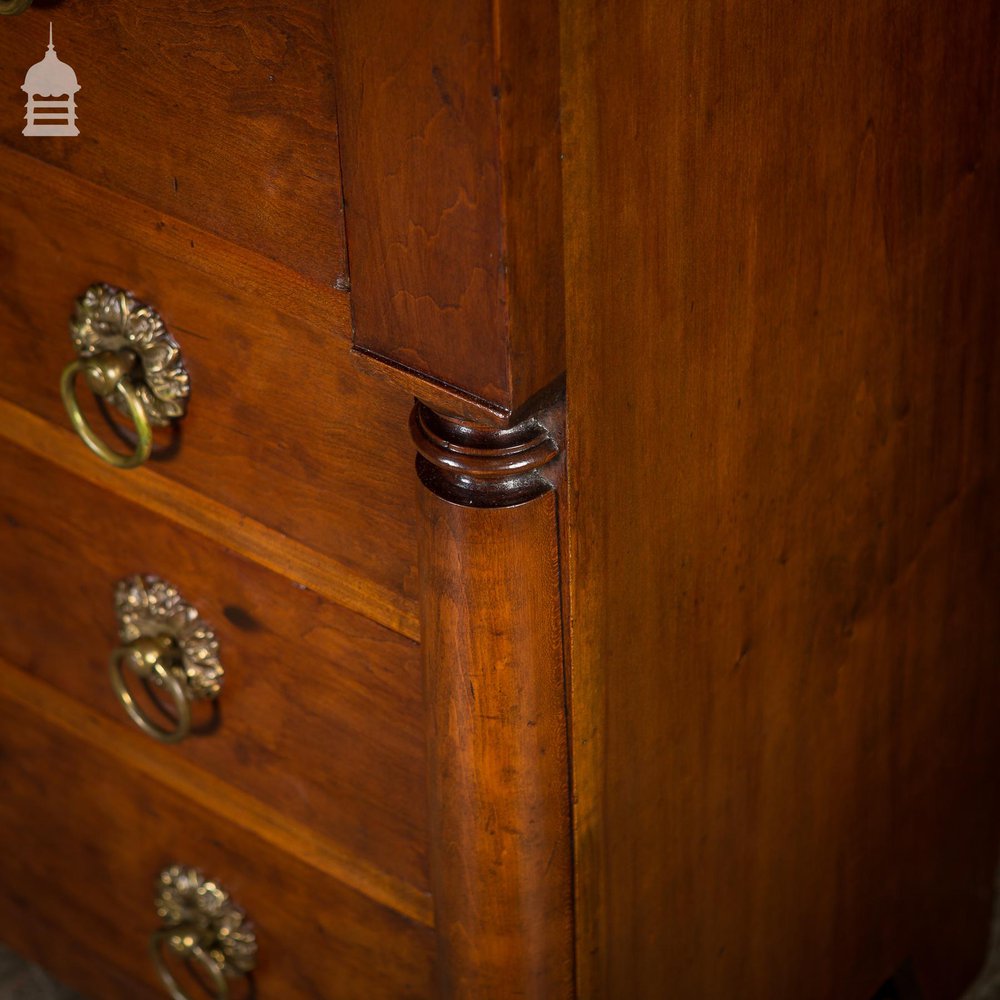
14, 6
200, 924
166, 644
105, 375
183, 941
130, 360
152, 659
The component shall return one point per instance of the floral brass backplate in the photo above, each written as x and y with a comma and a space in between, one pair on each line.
194, 905
148, 607
108, 319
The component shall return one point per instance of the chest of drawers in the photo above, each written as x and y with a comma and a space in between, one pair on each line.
566, 564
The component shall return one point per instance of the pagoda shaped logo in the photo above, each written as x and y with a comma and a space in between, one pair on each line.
51, 87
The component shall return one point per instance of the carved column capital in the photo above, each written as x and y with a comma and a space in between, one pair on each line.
478, 465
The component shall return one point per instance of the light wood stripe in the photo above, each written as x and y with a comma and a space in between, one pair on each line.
242, 534
137, 753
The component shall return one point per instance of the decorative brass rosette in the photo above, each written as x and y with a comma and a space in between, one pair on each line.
198, 914
108, 320
148, 607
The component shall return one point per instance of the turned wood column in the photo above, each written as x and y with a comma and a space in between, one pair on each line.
493, 663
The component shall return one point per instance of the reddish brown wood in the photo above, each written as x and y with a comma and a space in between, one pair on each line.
500, 833
778, 223
86, 838
320, 714
280, 427
450, 120
784, 437
222, 116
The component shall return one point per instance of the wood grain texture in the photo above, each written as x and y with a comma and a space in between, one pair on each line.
500, 827
279, 428
86, 837
195, 512
450, 118
213, 794
783, 493
320, 716
221, 115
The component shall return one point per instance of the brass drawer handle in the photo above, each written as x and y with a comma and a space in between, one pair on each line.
14, 6
200, 924
129, 359
167, 645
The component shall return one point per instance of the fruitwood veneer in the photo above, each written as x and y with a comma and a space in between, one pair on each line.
320, 714
707, 628
86, 835
450, 119
783, 534
222, 116
280, 426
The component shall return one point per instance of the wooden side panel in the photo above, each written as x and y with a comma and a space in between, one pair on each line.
450, 118
221, 116
782, 370
500, 830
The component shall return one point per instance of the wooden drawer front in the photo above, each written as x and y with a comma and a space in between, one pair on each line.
84, 839
280, 426
321, 710
222, 115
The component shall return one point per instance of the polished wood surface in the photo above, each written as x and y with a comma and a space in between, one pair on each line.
449, 114
221, 116
79, 900
497, 743
279, 428
783, 442
266, 546
213, 794
321, 711
694, 692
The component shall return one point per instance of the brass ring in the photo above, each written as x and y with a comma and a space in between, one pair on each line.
193, 950
144, 444
14, 6
169, 680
